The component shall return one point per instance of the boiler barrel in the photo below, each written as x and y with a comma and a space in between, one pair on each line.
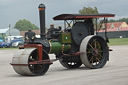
57, 47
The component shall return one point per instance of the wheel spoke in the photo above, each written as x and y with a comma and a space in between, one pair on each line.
100, 51
98, 45
98, 59
91, 59
91, 46
99, 48
100, 55
89, 52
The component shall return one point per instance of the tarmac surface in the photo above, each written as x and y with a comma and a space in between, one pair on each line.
115, 72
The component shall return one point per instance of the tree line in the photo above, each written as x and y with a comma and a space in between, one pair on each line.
24, 25
119, 20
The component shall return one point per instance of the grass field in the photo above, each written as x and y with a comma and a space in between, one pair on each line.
8, 48
119, 41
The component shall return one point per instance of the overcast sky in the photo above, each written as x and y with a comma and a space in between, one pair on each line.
13, 10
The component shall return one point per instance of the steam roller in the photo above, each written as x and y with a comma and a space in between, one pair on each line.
77, 44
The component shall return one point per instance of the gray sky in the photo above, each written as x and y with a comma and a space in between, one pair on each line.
13, 10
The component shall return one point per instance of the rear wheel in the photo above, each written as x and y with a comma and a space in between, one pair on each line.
94, 52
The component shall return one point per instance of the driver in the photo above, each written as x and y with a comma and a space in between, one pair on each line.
90, 24
50, 30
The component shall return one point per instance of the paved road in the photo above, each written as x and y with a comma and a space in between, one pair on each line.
115, 72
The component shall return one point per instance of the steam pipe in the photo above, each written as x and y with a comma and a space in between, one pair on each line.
42, 20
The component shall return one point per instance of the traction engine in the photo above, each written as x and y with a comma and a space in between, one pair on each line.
77, 44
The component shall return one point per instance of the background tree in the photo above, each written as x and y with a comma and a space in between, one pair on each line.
24, 25
119, 20
88, 10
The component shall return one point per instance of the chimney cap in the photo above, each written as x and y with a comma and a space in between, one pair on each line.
41, 6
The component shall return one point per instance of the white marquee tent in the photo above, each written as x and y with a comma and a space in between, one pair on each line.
10, 32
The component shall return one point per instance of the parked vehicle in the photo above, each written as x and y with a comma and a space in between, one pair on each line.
2, 44
1, 39
6, 45
17, 43
9, 39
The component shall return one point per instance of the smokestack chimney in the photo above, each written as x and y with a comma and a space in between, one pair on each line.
42, 20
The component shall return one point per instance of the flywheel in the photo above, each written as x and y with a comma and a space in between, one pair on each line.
79, 31
94, 51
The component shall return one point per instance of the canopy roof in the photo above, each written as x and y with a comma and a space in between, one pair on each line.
81, 16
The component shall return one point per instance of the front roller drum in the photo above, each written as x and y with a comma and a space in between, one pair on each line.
23, 57
94, 51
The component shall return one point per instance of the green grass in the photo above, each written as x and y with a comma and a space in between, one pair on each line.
119, 41
8, 48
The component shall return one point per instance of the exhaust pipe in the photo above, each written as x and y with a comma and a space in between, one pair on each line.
42, 20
